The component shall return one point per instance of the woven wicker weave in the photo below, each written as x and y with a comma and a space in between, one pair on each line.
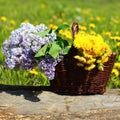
70, 79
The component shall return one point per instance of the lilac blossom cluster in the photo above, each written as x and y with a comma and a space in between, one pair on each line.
47, 64
23, 44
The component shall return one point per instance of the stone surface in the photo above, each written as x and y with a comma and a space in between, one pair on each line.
48, 103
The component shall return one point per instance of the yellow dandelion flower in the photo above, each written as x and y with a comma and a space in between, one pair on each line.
80, 59
60, 20
115, 72
79, 41
91, 18
98, 18
92, 32
89, 68
65, 34
12, 22
33, 72
42, 6
80, 64
116, 21
26, 21
108, 33
99, 61
82, 28
3, 18
63, 14
93, 48
117, 65
117, 38
54, 27
87, 56
92, 25
118, 44
91, 61
117, 33
86, 11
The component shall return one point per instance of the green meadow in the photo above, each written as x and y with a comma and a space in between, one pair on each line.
94, 16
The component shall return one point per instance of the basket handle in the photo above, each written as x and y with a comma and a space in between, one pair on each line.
75, 29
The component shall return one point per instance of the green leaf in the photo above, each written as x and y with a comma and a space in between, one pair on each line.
63, 26
54, 50
66, 50
42, 51
44, 33
118, 58
62, 43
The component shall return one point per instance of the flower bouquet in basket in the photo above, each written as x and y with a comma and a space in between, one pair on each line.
75, 62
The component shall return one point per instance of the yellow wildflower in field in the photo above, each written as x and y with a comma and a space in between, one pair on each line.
115, 72
92, 25
65, 34
33, 72
3, 18
91, 18
60, 20
116, 38
86, 11
63, 14
117, 65
98, 18
54, 27
92, 32
26, 21
108, 33
82, 28
12, 22
118, 44
42, 6
116, 21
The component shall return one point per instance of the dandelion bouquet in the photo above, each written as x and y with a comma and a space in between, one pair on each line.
92, 51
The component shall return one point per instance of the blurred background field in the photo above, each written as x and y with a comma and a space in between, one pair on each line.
94, 16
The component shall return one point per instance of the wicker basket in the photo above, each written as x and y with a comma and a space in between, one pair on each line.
70, 79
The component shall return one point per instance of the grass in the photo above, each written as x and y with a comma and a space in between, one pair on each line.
104, 14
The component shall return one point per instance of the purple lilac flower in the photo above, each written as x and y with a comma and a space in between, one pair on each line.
47, 64
22, 45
